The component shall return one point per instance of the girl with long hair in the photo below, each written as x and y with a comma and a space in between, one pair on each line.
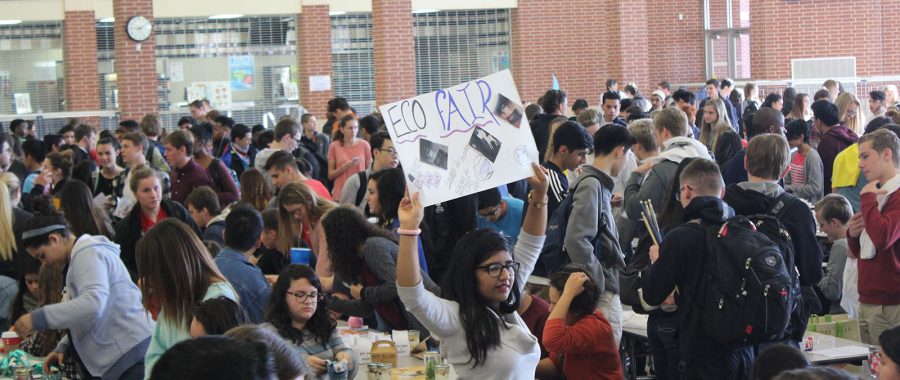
300, 212
715, 123
9, 272
475, 316
255, 190
77, 204
801, 109
365, 255
56, 170
848, 111
384, 192
176, 273
298, 311
774, 101
101, 305
347, 155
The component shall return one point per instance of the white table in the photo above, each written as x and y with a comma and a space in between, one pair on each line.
843, 351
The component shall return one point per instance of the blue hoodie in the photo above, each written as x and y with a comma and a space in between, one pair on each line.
101, 308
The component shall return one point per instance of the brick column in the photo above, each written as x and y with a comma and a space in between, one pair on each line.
82, 83
135, 69
627, 44
395, 57
314, 56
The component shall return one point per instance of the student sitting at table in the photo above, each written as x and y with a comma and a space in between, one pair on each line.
578, 336
503, 215
298, 311
481, 334
890, 354
775, 359
175, 272
217, 315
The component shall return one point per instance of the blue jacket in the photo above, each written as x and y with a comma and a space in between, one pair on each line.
248, 281
101, 308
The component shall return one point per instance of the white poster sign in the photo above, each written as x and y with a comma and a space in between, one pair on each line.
23, 103
176, 71
462, 140
320, 83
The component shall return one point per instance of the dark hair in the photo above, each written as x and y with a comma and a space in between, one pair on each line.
305, 117
66, 129
584, 303
62, 161
215, 357
239, 131
371, 124
204, 197
45, 215
220, 314
338, 135
280, 160
876, 124
13, 125
338, 103
624, 104
82, 131
346, 230
671, 212
572, 136
128, 125
76, 202
714, 82
391, 187
822, 94
579, 104
635, 113
187, 120
726, 83
137, 139
376, 141
796, 128
683, 95
109, 141
611, 136
826, 111
225, 121
631, 89
270, 219
286, 126
51, 140
878, 95
890, 343
320, 324
532, 109
763, 121
84, 171
610, 95
35, 149
304, 166
776, 359
771, 99
196, 104
202, 134
610, 83
727, 146
265, 138
288, 364
488, 198
788, 95
26, 264
552, 99
460, 284
243, 225
816, 373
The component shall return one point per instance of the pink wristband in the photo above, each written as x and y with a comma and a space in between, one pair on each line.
414, 232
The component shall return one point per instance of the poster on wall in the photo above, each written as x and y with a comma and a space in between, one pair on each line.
291, 92
463, 139
218, 93
23, 103
240, 72
176, 71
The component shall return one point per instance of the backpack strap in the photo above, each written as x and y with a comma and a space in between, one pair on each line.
361, 191
781, 203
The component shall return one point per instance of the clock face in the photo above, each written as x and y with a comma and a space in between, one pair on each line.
139, 28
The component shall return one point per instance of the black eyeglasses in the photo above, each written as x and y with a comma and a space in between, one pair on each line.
390, 151
304, 296
493, 270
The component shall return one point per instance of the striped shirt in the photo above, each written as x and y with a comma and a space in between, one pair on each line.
798, 176
559, 186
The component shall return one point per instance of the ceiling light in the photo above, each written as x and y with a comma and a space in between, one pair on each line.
225, 16
108, 19
336, 13
427, 10
10, 22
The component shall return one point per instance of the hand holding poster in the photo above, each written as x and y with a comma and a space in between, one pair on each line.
462, 140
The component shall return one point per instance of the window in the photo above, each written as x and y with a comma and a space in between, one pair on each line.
31, 71
726, 25
352, 60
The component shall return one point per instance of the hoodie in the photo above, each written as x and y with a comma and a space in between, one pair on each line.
833, 142
655, 184
101, 308
680, 265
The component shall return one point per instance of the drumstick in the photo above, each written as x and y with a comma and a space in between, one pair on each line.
649, 229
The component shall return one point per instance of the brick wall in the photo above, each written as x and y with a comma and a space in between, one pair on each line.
314, 58
80, 56
395, 57
676, 51
135, 69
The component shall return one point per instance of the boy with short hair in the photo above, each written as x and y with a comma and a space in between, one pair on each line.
874, 233
243, 228
833, 213
203, 205
503, 215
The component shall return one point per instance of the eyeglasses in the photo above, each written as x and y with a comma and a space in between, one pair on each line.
304, 296
490, 214
493, 270
390, 151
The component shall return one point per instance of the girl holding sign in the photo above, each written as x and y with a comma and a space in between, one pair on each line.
475, 317
347, 155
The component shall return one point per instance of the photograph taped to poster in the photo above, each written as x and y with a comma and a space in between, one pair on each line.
463, 139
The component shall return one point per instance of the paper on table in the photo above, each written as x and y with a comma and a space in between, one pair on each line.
844, 351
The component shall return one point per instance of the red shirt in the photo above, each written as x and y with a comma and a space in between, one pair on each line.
147, 224
588, 346
879, 277
319, 188
535, 317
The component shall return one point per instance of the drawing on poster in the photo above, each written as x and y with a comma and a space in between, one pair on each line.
433, 153
521, 155
485, 143
484, 169
508, 110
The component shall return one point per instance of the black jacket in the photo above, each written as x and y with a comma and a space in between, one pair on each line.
540, 130
799, 221
128, 231
680, 264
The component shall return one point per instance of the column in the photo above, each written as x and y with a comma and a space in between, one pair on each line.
395, 57
314, 55
135, 62
82, 81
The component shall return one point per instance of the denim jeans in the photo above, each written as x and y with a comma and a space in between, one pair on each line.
662, 330
9, 288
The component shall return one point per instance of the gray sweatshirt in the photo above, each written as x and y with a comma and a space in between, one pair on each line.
592, 216
814, 183
655, 184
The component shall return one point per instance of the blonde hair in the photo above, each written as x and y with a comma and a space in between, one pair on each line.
843, 102
554, 125
12, 183
588, 117
298, 193
709, 133
7, 237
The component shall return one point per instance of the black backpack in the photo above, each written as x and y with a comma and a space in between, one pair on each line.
749, 286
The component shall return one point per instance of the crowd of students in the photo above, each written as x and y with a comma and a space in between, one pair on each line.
149, 236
